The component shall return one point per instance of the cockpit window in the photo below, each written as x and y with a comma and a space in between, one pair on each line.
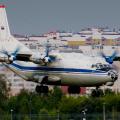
100, 66
93, 65
105, 65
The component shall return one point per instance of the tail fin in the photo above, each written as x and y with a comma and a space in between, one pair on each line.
7, 41
4, 27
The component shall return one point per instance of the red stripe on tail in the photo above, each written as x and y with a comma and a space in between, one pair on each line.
2, 6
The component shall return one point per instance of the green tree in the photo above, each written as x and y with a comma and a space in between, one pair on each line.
3, 93
43, 114
72, 104
19, 103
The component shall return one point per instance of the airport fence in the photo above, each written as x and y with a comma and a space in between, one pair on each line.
97, 116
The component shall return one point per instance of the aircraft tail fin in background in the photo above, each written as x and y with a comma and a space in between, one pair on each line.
4, 27
7, 41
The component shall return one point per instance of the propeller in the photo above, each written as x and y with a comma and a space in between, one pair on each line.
109, 59
47, 57
10, 56
16, 51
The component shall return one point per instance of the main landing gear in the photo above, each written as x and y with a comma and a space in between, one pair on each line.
74, 90
97, 92
41, 89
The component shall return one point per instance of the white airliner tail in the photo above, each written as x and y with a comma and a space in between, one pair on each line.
7, 41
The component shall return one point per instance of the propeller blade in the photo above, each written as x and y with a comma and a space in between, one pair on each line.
113, 55
11, 56
5, 52
16, 51
103, 55
109, 59
47, 51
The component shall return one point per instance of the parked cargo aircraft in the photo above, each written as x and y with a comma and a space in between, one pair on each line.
52, 68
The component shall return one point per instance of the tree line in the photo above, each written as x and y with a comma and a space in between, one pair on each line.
30, 103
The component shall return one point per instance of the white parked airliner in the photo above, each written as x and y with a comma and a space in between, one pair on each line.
53, 68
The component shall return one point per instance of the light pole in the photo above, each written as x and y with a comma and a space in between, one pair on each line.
58, 116
11, 114
104, 115
84, 114
30, 107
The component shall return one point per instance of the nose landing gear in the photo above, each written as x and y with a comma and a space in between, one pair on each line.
97, 92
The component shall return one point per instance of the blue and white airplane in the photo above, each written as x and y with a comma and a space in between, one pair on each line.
52, 68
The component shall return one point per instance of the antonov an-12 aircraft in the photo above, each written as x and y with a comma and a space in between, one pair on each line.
52, 68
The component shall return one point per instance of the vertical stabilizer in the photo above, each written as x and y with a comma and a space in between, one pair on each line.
7, 41
4, 27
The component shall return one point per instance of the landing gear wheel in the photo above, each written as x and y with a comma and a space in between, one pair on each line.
97, 93
41, 89
74, 89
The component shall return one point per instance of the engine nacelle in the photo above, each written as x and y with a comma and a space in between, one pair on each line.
6, 59
36, 60
46, 59
40, 59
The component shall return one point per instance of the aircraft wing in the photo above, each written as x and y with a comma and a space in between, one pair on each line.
28, 57
36, 59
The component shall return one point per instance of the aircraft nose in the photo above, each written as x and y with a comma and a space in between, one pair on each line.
113, 74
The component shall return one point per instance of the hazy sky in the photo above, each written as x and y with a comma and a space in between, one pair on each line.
40, 16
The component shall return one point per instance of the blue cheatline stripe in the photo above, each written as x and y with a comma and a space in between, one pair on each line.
41, 68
